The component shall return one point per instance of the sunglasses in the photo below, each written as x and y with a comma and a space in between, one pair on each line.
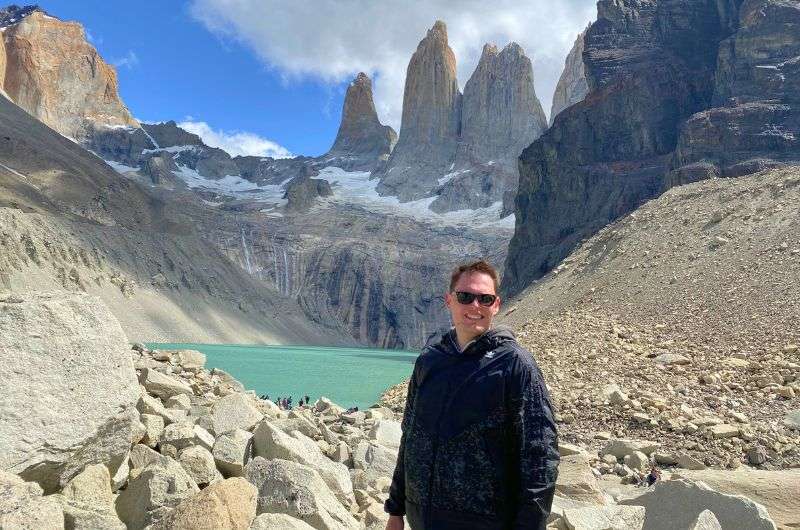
467, 298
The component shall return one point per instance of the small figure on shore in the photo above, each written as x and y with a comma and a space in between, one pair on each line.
654, 476
306, 396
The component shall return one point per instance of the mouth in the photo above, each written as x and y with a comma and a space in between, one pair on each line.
473, 317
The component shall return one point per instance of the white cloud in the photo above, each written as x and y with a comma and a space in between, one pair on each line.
129, 60
333, 39
235, 142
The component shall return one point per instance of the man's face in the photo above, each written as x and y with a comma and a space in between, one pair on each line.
473, 319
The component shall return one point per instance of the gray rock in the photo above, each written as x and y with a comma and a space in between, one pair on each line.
162, 385
235, 411
92, 487
706, 521
576, 480
620, 448
154, 427
81, 516
572, 86
226, 505
375, 460
361, 140
270, 442
386, 433
279, 521
678, 503
232, 451
142, 456
605, 518
153, 492
199, 464
297, 490
792, 419
191, 360
22, 506
687, 461
69, 388
180, 402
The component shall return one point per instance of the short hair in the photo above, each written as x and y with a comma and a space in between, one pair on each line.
475, 266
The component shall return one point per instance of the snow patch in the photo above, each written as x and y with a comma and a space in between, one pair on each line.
172, 149
450, 176
234, 186
355, 187
14, 171
120, 168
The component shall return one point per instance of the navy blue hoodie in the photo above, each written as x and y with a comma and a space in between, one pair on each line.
479, 449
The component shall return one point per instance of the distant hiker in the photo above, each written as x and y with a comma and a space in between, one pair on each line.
306, 399
654, 475
479, 448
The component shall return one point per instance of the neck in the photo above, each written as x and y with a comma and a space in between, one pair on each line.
465, 338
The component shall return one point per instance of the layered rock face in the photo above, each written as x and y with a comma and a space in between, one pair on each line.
58, 77
361, 140
572, 86
655, 69
430, 123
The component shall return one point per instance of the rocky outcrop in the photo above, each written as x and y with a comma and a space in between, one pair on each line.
500, 116
69, 398
572, 86
361, 140
430, 123
57, 76
649, 121
302, 193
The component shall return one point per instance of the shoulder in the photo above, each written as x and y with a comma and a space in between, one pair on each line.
521, 361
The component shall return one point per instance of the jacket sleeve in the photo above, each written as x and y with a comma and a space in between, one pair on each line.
396, 503
536, 444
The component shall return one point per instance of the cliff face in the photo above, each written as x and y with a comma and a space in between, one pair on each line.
361, 140
430, 123
572, 86
463, 150
656, 71
57, 76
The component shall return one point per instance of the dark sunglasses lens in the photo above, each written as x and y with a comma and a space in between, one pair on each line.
464, 298
486, 299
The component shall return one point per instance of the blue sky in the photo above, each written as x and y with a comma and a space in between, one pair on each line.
278, 70
181, 69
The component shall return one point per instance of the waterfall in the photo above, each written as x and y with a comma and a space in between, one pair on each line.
246, 252
286, 284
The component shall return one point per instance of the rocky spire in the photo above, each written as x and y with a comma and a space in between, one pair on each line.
361, 134
501, 114
430, 121
571, 87
57, 76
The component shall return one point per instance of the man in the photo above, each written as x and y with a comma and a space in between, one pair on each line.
479, 448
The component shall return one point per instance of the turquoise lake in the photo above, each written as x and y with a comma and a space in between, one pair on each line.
348, 376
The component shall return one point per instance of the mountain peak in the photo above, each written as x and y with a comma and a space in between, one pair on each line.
12, 14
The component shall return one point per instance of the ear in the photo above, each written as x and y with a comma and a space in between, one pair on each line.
448, 299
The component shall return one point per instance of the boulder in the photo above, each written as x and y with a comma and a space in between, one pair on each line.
777, 490
92, 486
191, 360
22, 506
792, 419
180, 402
620, 448
153, 427
227, 505
69, 388
298, 423
232, 451
270, 442
152, 494
180, 435
142, 456
605, 518
678, 503
706, 521
162, 385
576, 480
375, 460
199, 464
299, 491
278, 521
387, 433
234, 411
